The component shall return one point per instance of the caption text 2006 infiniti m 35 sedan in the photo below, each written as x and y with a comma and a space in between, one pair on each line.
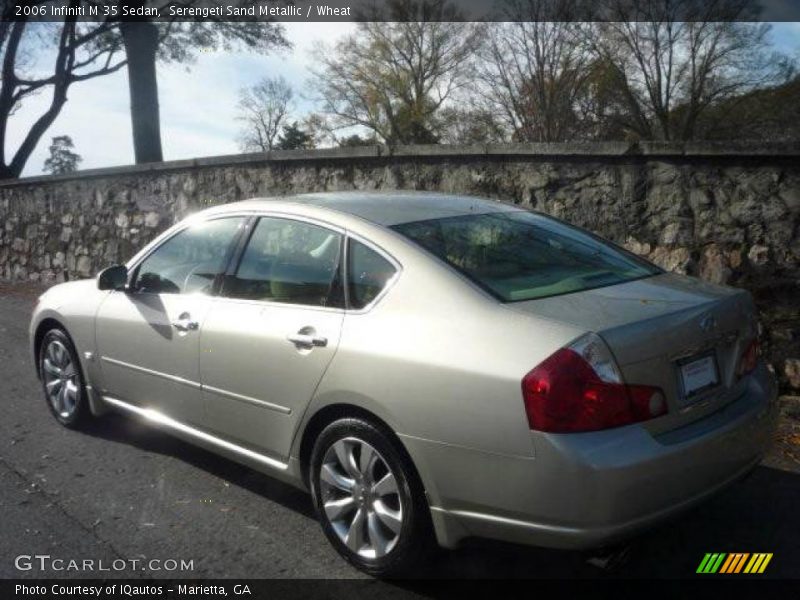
430, 367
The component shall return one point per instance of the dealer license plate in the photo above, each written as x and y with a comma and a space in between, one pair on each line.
698, 375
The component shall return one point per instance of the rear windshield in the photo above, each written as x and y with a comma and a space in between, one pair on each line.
520, 255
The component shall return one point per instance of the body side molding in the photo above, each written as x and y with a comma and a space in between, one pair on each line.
170, 423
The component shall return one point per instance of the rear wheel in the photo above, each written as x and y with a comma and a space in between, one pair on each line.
62, 380
368, 499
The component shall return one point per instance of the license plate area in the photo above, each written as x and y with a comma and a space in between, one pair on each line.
697, 375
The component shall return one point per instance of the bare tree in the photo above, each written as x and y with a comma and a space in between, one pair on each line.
471, 126
393, 77
82, 51
668, 61
534, 72
263, 109
319, 129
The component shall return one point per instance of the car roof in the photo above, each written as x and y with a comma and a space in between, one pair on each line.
388, 208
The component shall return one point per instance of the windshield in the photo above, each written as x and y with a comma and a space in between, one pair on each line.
521, 255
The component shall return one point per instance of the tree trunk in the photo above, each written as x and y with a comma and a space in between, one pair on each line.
61, 84
141, 43
7, 86
6, 173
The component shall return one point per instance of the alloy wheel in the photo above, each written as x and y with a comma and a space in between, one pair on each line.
360, 498
60, 373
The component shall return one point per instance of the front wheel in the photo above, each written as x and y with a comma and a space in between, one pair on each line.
62, 380
368, 499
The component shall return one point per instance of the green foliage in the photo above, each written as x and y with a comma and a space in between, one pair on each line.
294, 138
355, 140
181, 41
62, 159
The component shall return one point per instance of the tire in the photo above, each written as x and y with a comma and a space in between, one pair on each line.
383, 499
62, 380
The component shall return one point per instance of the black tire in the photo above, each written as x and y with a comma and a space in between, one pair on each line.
414, 542
77, 416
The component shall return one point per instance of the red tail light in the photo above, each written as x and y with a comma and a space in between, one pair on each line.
749, 358
579, 389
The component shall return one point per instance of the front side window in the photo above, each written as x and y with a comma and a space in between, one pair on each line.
368, 273
290, 262
189, 261
522, 255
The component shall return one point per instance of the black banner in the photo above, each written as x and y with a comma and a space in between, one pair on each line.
403, 10
368, 589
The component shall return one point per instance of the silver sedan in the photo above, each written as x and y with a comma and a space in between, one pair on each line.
430, 367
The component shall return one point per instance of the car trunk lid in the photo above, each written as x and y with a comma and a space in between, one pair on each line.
674, 332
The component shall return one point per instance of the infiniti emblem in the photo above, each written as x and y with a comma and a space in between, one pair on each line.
708, 323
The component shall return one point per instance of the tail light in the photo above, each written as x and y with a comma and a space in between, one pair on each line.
580, 388
749, 359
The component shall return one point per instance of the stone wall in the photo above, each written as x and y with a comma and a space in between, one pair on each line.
730, 214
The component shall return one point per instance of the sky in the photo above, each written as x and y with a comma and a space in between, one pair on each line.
198, 104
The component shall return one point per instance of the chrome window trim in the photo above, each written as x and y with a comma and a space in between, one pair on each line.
281, 214
347, 234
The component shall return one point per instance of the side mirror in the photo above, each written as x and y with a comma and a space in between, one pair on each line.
113, 278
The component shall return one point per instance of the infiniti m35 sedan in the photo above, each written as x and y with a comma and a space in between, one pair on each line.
430, 367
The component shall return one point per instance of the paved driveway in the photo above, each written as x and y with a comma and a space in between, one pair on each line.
121, 490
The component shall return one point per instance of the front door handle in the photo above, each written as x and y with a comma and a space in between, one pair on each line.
307, 340
185, 323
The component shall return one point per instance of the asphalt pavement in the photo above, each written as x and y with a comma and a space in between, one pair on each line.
120, 491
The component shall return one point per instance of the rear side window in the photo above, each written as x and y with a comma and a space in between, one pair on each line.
368, 273
288, 261
522, 255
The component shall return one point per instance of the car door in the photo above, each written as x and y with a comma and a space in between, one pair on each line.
148, 335
272, 332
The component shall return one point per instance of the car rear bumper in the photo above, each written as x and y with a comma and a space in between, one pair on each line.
590, 489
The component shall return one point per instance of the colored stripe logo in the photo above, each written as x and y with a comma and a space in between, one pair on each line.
735, 562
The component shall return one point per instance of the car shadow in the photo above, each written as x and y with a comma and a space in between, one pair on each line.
756, 514
152, 310
131, 431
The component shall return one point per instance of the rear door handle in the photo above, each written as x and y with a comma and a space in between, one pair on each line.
307, 340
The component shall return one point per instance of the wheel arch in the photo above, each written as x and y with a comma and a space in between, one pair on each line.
329, 413
42, 328
323, 417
